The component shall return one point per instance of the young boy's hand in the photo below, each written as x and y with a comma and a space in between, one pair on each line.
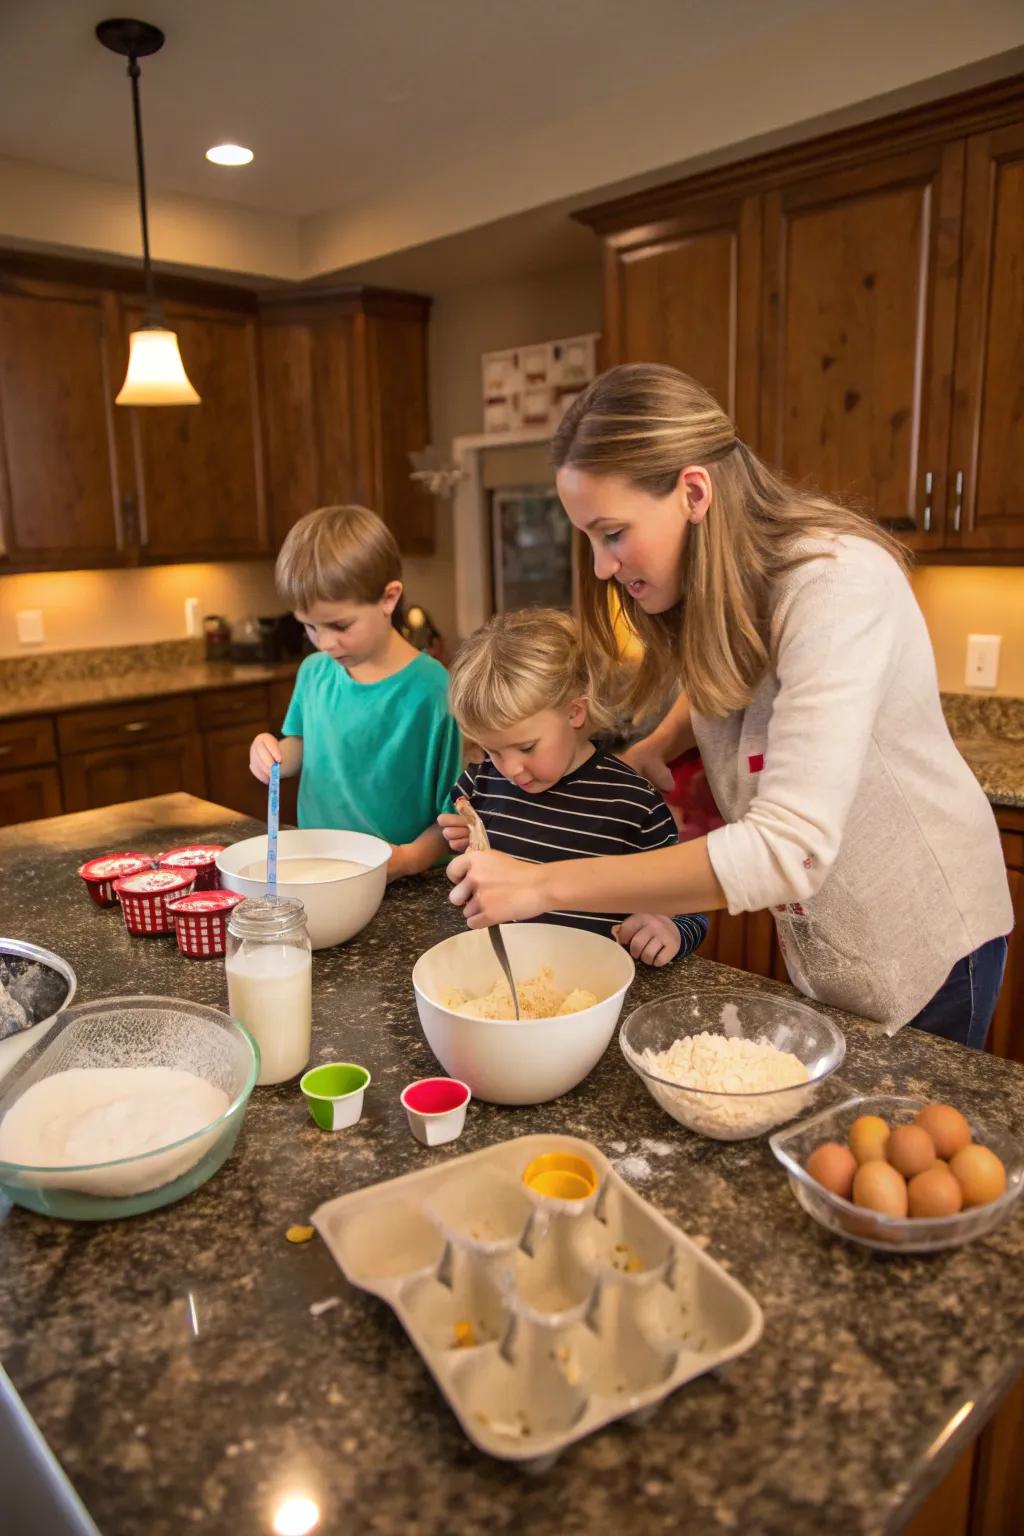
649, 937
265, 750
456, 832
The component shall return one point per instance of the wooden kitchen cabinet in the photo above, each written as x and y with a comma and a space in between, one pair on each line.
987, 451
881, 364
27, 794
226, 763
860, 271
198, 469
345, 398
1007, 1038
60, 482
685, 291
109, 775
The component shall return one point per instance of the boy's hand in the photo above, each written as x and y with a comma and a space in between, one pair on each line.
265, 750
649, 937
456, 832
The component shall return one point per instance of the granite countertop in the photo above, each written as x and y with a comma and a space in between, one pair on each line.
183, 1371
147, 683
998, 766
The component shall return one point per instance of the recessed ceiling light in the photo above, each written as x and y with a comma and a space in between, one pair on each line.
229, 154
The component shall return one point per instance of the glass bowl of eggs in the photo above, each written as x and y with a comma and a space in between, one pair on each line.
901, 1175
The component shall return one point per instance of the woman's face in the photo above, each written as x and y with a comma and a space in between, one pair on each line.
637, 538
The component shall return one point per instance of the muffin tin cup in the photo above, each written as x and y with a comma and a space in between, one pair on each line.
541, 1321
100, 874
201, 857
144, 898
201, 922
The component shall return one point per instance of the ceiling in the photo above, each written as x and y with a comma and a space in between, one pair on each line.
337, 97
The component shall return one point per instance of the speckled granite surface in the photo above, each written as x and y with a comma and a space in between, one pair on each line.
49, 695
177, 1368
989, 733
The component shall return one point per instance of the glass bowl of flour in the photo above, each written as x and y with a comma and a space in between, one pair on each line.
129, 1103
732, 1063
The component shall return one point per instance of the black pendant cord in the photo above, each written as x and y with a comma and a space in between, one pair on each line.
153, 316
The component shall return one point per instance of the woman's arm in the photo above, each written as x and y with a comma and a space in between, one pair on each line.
495, 888
670, 739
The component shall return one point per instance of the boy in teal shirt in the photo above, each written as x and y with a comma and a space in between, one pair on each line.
368, 725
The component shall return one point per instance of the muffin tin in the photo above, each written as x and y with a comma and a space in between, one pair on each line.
540, 1319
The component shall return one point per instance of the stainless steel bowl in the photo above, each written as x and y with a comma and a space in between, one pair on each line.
15, 1039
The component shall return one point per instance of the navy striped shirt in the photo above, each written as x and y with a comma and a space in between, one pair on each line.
603, 807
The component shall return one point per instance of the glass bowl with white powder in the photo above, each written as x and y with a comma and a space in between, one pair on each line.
731, 1064
127, 1104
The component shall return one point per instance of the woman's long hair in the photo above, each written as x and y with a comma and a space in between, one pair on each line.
646, 423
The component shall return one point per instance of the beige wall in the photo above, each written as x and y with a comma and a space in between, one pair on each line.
958, 601
82, 609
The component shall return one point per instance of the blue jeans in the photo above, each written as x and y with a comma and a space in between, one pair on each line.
963, 1006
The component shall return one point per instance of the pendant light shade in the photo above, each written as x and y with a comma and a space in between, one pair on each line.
156, 374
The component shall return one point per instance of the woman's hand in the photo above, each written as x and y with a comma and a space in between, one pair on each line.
496, 888
455, 830
264, 751
650, 759
649, 937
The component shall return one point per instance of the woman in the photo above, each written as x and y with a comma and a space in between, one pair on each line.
808, 682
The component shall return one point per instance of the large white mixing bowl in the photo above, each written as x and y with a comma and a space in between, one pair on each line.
525, 1061
335, 909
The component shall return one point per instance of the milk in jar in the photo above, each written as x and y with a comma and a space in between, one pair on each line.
269, 968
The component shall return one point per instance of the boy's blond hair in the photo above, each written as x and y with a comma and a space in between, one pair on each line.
337, 555
516, 665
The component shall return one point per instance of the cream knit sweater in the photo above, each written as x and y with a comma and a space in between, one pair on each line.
849, 811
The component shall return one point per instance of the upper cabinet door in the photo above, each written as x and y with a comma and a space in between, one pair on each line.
987, 453
199, 468
399, 424
860, 300
60, 498
685, 292
289, 419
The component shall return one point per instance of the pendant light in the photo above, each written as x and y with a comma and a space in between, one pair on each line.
156, 374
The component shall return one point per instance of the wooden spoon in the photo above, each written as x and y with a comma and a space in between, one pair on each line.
480, 843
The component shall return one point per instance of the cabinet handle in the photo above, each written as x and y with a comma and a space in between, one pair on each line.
128, 519
959, 500
138, 725
5, 749
926, 515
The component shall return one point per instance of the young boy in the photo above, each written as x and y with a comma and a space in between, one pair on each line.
521, 688
368, 724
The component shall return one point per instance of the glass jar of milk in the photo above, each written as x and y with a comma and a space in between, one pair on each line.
269, 967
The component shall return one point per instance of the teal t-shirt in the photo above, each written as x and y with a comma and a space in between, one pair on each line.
376, 757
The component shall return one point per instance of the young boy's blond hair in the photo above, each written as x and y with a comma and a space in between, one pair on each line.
516, 665
336, 555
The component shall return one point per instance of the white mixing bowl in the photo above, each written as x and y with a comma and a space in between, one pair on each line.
335, 909
525, 1061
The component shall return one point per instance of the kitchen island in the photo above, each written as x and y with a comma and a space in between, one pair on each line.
187, 1374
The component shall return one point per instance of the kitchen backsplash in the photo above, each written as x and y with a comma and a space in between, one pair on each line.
19, 674
970, 715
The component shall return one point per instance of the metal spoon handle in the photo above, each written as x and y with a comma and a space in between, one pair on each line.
480, 843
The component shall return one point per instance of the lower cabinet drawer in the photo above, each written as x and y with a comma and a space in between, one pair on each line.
126, 724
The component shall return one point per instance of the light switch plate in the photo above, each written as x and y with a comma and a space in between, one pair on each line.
193, 622
982, 669
31, 629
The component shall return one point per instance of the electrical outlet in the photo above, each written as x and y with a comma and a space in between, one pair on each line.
31, 629
982, 669
192, 618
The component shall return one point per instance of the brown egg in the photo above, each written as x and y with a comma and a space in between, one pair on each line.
878, 1187
979, 1173
934, 1193
946, 1126
910, 1150
834, 1167
867, 1137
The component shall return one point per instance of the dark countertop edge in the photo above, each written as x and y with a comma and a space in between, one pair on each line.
966, 1433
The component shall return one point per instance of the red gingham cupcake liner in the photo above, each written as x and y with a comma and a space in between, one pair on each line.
202, 857
201, 922
100, 873
144, 898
